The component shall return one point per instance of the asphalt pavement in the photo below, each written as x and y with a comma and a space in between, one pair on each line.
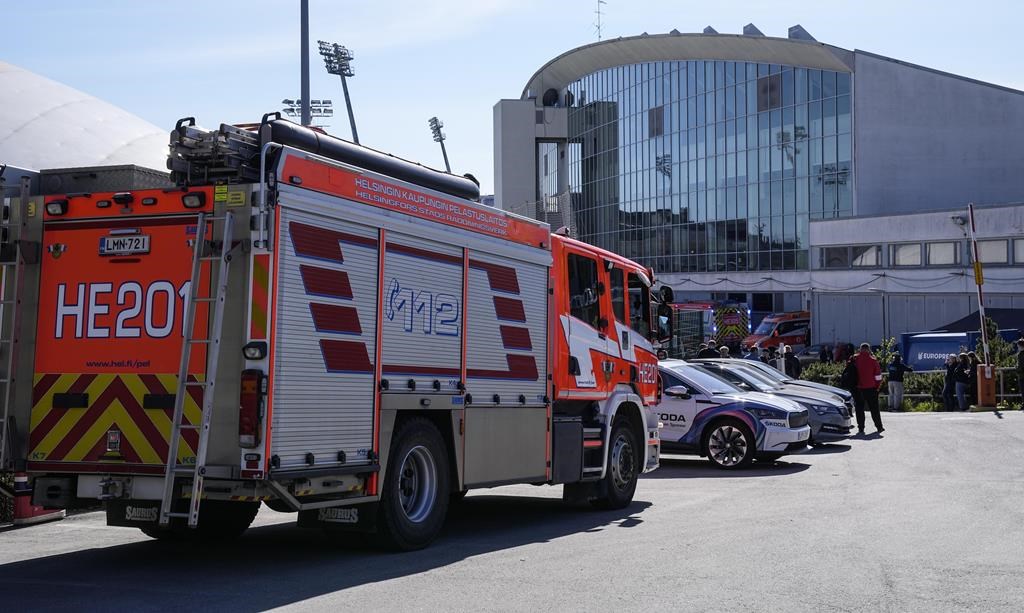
929, 516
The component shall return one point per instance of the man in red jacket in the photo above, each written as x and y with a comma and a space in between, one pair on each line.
869, 378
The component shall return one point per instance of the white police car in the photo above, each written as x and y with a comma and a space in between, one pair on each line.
704, 415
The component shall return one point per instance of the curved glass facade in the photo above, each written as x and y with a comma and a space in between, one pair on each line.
704, 166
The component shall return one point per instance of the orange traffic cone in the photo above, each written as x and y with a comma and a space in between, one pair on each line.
26, 513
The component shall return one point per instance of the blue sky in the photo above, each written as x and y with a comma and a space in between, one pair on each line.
232, 60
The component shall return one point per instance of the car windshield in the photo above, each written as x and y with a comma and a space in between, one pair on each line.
705, 380
746, 376
765, 328
767, 371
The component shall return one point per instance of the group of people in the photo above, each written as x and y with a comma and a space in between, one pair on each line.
711, 349
960, 386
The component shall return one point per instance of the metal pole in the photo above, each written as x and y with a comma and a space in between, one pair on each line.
348, 105
979, 280
304, 50
447, 166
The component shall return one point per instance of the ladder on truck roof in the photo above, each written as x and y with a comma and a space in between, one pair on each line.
10, 268
197, 472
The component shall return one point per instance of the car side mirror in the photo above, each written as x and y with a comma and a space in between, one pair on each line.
678, 391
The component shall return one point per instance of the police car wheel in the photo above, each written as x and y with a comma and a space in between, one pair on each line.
415, 492
729, 444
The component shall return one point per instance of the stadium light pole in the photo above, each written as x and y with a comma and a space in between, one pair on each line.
338, 61
435, 129
304, 63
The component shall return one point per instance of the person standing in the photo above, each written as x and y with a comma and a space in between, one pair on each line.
961, 379
723, 351
869, 379
825, 355
792, 363
848, 381
778, 358
972, 378
750, 353
949, 383
895, 372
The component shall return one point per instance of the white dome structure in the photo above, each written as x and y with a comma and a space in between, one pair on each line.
44, 124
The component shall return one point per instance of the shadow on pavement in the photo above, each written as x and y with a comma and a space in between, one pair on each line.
827, 448
679, 468
276, 565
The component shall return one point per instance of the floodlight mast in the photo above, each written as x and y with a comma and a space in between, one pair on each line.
304, 44
435, 129
338, 61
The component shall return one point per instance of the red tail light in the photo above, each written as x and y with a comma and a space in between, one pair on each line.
250, 408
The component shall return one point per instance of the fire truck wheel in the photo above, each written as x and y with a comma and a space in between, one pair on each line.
222, 520
623, 467
219, 520
729, 444
415, 496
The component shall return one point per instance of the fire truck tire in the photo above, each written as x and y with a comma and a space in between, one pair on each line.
278, 505
415, 494
219, 520
620, 480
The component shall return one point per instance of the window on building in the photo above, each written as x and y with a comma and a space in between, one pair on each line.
769, 92
1018, 250
908, 254
656, 121
992, 252
618, 289
866, 256
857, 256
639, 306
943, 254
584, 300
835, 257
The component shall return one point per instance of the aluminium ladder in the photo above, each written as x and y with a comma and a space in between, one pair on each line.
9, 303
197, 472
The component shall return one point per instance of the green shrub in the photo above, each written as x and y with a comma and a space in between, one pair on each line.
822, 372
922, 406
924, 383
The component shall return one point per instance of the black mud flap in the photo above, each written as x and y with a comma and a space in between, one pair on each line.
356, 518
582, 493
133, 513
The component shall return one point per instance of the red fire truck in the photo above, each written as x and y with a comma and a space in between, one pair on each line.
312, 324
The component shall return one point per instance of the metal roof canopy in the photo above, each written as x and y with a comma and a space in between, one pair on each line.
582, 61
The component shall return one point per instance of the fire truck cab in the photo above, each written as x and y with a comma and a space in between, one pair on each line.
303, 322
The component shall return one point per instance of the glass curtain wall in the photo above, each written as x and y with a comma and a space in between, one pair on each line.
705, 166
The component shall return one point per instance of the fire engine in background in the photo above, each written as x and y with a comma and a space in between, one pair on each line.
332, 330
792, 328
728, 323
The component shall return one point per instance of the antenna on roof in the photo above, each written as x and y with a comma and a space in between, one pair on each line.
599, 13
